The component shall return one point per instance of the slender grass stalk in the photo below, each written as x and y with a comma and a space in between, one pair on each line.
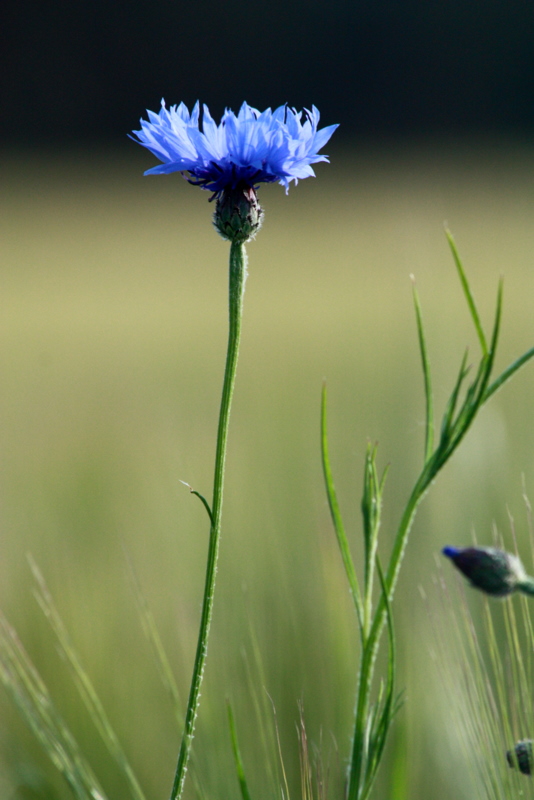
84, 685
237, 278
32, 698
337, 519
240, 771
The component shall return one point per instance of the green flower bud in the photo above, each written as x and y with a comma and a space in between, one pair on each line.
238, 215
521, 756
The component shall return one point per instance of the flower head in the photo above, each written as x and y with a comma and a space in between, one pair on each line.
245, 149
493, 571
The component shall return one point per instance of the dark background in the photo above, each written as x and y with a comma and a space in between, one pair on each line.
75, 71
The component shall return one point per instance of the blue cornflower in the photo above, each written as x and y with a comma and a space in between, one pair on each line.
246, 149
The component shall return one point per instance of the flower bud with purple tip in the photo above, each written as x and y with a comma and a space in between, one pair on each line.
238, 215
521, 756
491, 570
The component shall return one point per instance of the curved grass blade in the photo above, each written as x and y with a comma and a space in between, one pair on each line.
31, 695
429, 398
202, 500
508, 373
467, 292
336, 515
450, 408
84, 685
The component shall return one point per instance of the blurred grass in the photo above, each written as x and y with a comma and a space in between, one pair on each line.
112, 340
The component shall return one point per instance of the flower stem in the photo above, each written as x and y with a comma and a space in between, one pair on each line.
237, 278
527, 586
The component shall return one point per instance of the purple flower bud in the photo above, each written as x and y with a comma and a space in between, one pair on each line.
493, 571
521, 756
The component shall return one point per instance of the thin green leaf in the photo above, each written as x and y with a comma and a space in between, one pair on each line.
371, 511
469, 404
245, 794
367, 498
474, 396
508, 373
450, 408
486, 363
383, 479
202, 500
498, 318
467, 292
429, 399
336, 515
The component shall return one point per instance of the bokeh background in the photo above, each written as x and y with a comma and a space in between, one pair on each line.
77, 71
112, 340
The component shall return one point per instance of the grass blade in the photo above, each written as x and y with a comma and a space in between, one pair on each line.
336, 516
30, 694
467, 292
202, 500
508, 373
84, 685
429, 399
245, 794
450, 408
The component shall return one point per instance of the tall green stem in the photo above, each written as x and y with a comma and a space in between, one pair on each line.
238, 273
370, 649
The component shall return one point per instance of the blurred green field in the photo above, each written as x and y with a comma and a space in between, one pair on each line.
112, 342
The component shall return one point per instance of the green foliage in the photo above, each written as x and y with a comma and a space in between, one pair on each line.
104, 408
373, 718
31, 696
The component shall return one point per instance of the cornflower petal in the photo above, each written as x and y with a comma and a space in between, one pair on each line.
249, 148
